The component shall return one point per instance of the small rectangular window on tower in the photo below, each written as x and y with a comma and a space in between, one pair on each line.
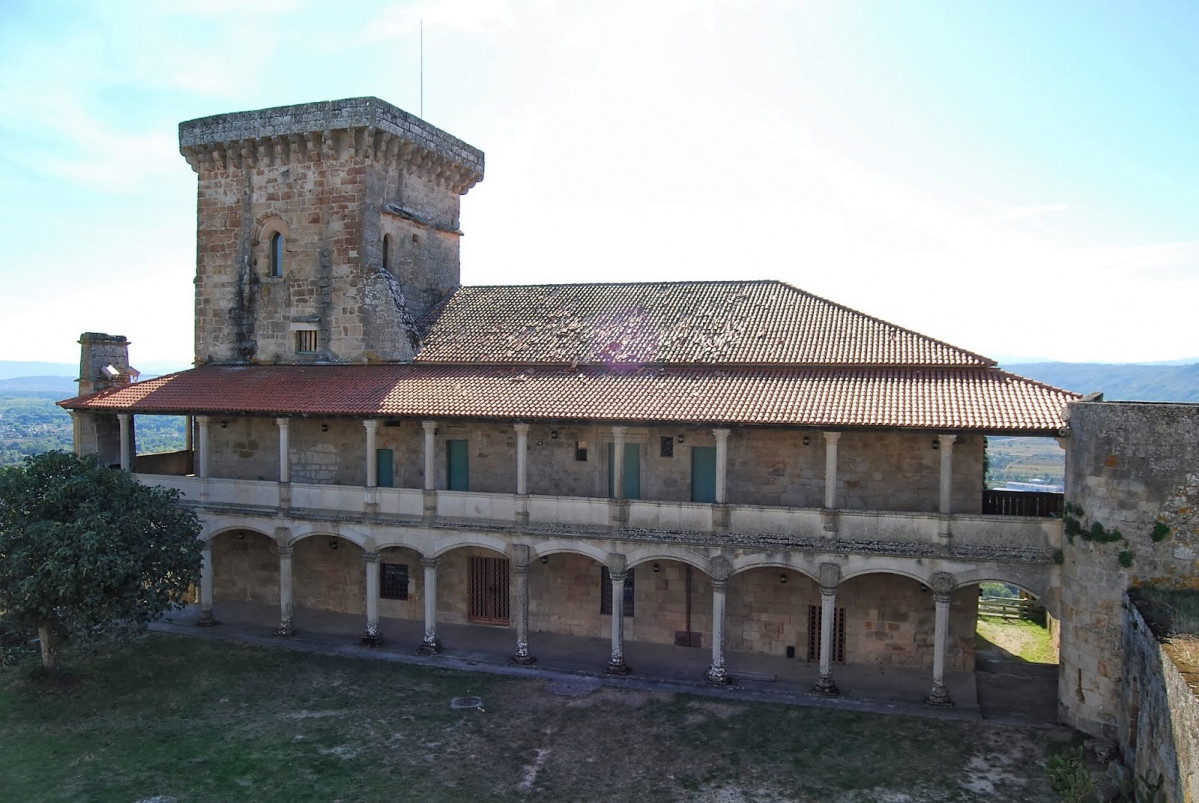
306, 341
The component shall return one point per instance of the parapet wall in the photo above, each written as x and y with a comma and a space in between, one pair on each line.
1159, 714
1132, 469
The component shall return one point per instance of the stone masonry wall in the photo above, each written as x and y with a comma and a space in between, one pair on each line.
1158, 723
1128, 467
888, 471
245, 568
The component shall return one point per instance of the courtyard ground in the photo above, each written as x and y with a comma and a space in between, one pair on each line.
179, 718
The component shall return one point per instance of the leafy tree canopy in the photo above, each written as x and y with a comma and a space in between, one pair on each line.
89, 550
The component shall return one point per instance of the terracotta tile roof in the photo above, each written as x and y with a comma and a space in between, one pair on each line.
706, 323
938, 398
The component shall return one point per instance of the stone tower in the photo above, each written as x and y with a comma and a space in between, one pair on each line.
323, 230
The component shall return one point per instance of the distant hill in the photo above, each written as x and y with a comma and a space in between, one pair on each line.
60, 387
13, 369
1118, 381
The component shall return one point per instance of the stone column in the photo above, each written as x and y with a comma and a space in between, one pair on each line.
942, 595
830, 577
522, 449
431, 645
372, 637
830, 469
717, 674
618, 435
945, 505
284, 449
125, 420
616, 570
520, 565
285, 625
206, 616
202, 447
190, 423
372, 461
722, 464
430, 428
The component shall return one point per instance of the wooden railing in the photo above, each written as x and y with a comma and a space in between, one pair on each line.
1011, 608
1022, 503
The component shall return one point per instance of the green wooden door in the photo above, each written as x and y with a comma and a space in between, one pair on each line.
632, 470
384, 467
703, 473
457, 465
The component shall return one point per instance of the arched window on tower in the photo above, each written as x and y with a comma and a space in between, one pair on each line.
277, 254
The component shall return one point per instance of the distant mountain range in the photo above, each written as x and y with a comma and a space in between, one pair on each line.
1117, 381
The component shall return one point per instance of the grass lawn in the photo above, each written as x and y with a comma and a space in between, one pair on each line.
1025, 640
193, 720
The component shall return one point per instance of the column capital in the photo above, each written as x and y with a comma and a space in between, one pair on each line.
619, 431
721, 433
430, 563
202, 420
370, 424
720, 569
615, 562
430, 427
124, 416
521, 555
286, 551
370, 557
282, 423
830, 576
832, 436
946, 440
943, 583
521, 428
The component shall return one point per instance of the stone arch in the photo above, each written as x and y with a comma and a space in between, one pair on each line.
648, 554
773, 561
470, 539
557, 547
308, 530
245, 565
858, 566
1041, 591
209, 534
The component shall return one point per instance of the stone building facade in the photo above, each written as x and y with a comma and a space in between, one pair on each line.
732, 466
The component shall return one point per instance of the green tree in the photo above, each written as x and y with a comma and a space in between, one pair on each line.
89, 551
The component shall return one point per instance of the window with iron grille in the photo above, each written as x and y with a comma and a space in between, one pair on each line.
306, 341
666, 446
606, 592
393, 580
814, 634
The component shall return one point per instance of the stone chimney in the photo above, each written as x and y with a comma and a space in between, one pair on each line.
103, 362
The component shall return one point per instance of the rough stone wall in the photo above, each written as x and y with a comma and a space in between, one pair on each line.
328, 579
1128, 466
766, 467
1158, 723
245, 568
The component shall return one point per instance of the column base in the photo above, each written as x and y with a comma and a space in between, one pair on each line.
617, 666
938, 696
372, 637
525, 659
207, 620
825, 687
430, 647
718, 676
285, 629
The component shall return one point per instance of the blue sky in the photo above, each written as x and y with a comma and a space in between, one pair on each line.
1018, 178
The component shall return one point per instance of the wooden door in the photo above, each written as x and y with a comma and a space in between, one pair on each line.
488, 581
385, 468
703, 473
457, 465
632, 470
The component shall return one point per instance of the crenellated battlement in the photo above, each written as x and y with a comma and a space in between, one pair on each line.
355, 128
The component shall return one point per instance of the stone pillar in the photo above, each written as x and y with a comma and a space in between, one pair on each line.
830, 469
717, 674
206, 616
202, 448
618, 435
830, 577
126, 421
945, 505
285, 625
522, 449
430, 428
943, 595
616, 570
372, 461
520, 565
722, 464
189, 426
431, 645
372, 637
284, 449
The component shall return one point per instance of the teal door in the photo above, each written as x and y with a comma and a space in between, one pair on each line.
457, 465
632, 470
384, 468
703, 473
